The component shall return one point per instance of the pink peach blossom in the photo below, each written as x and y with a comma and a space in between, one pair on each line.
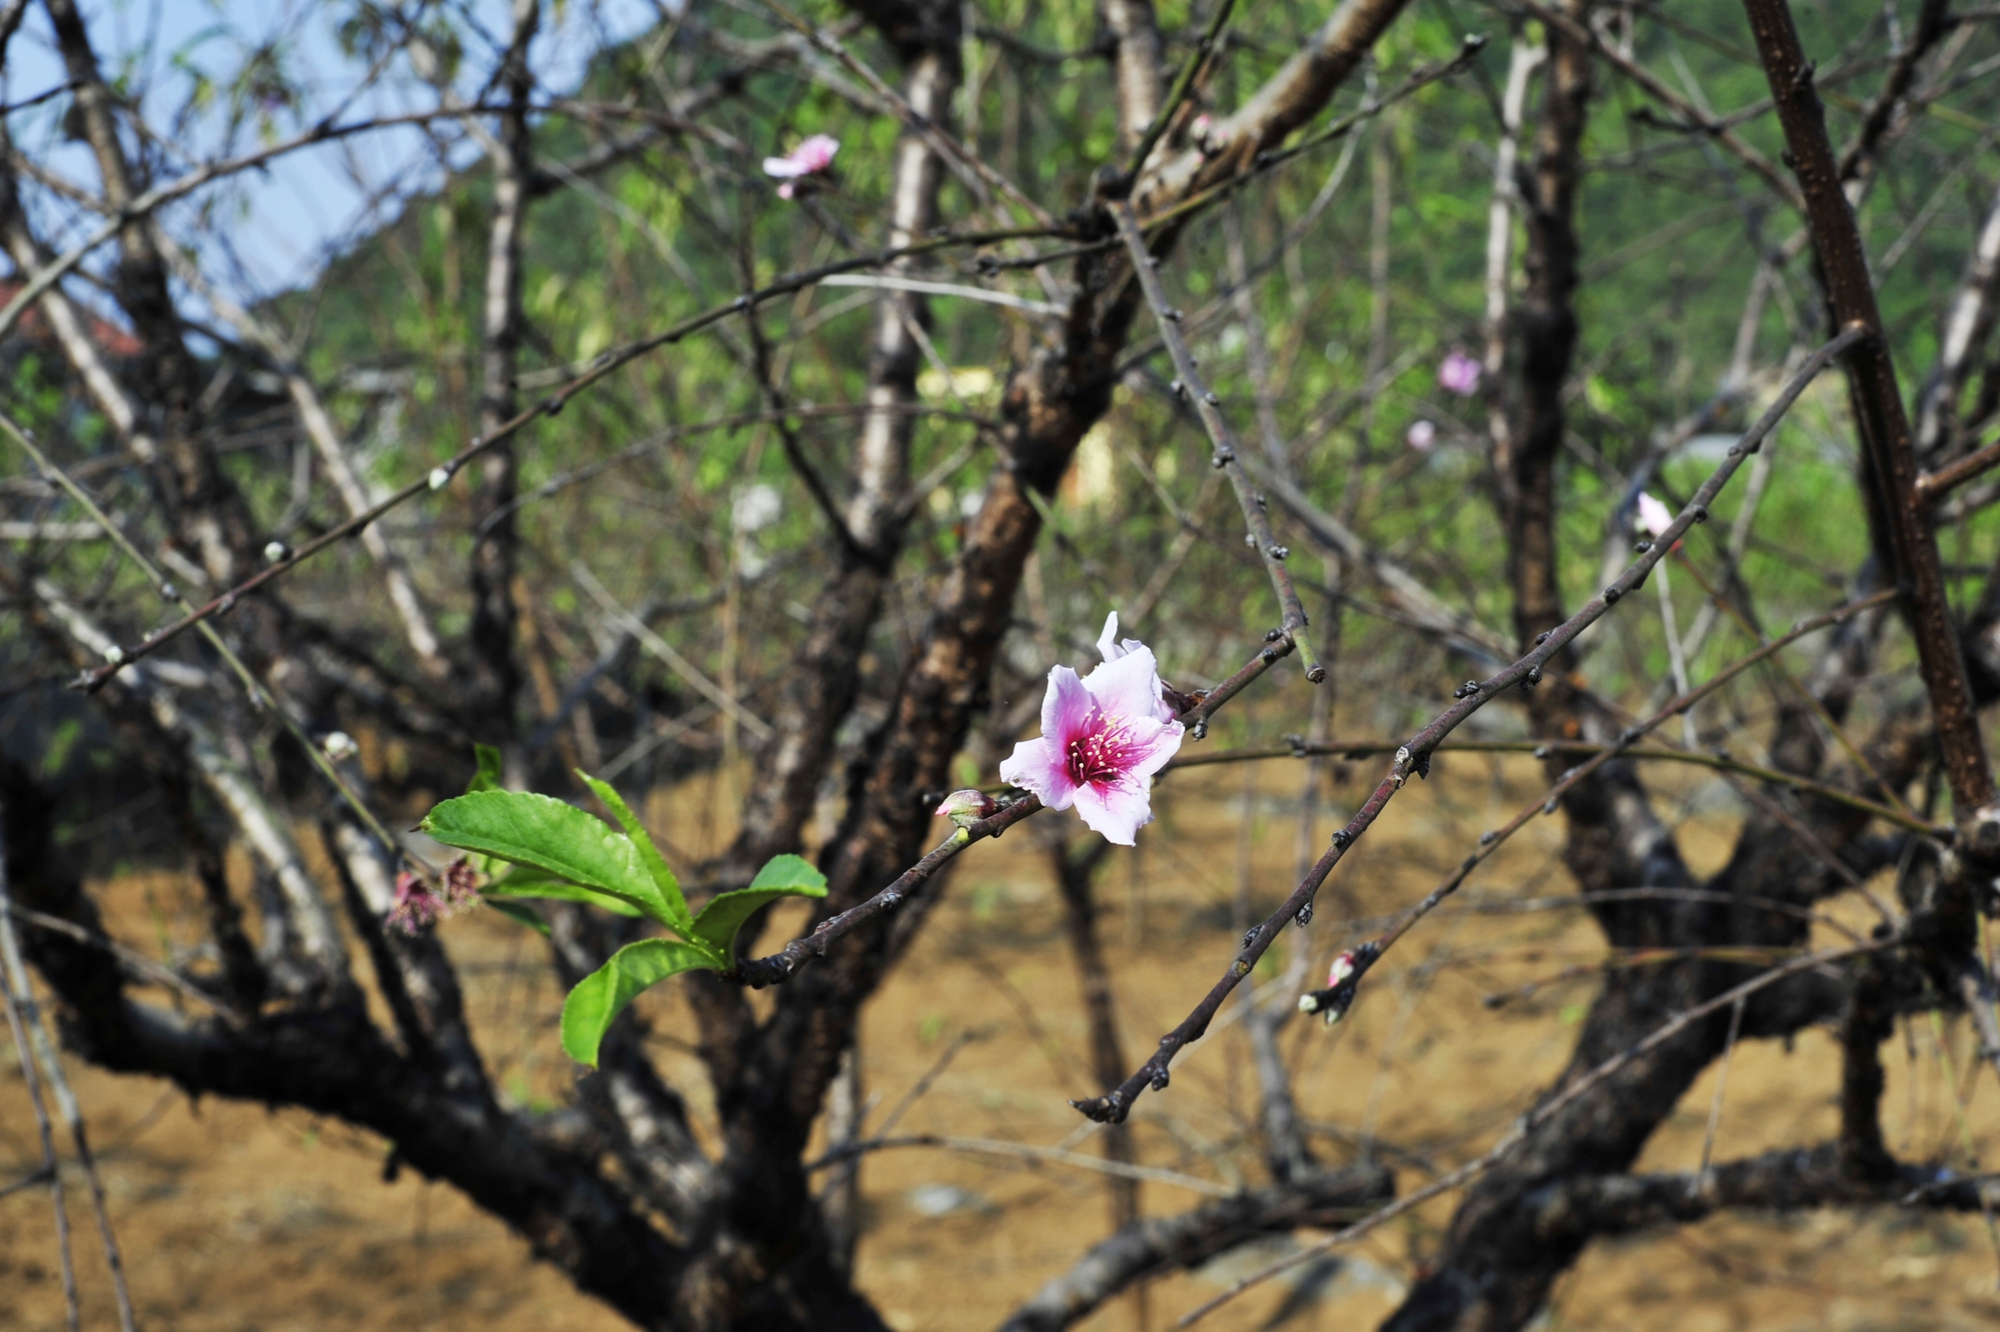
1103, 737
1460, 374
810, 158
1108, 646
1654, 517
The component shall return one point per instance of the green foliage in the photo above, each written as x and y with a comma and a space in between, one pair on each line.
561, 853
486, 776
520, 913
784, 876
547, 834
664, 883
602, 995
534, 883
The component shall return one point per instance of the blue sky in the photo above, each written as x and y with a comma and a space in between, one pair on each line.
273, 229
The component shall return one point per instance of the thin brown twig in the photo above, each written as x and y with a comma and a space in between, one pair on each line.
1536, 1117
16, 995
260, 696
1701, 1174
1207, 406
1413, 758
1934, 486
22, 1000
1720, 762
139, 962
1657, 88
1335, 999
1025, 1152
962, 159
600, 367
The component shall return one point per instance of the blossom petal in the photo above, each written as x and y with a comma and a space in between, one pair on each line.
1129, 687
785, 167
1116, 808
1107, 642
816, 153
1066, 708
1037, 765
1654, 517
1150, 745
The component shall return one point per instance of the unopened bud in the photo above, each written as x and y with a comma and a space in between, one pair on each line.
967, 807
440, 477
276, 552
338, 745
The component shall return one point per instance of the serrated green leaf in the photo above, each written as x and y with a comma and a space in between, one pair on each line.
604, 993
533, 884
545, 833
487, 776
525, 915
682, 922
782, 876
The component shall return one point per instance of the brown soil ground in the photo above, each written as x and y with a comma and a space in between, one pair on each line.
237, 1217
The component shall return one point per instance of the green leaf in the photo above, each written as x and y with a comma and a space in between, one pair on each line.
487, 776
783, 876
682, 923
547, 834
526, 915
604, 993
537, 884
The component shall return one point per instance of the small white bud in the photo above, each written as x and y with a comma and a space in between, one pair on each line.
276, 551
338, 745
114, 654
440, 478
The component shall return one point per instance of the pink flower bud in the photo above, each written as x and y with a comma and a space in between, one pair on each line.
417, 908
1421, 435
461, 884
968, 807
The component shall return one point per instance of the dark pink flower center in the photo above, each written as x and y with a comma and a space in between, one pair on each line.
1102, 753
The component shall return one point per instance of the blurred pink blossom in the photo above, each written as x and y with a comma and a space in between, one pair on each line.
461, 884
1460, 374
808, 159
1421, 435
1654, 517
417, 907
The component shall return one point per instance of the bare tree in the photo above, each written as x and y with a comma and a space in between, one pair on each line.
871, 607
